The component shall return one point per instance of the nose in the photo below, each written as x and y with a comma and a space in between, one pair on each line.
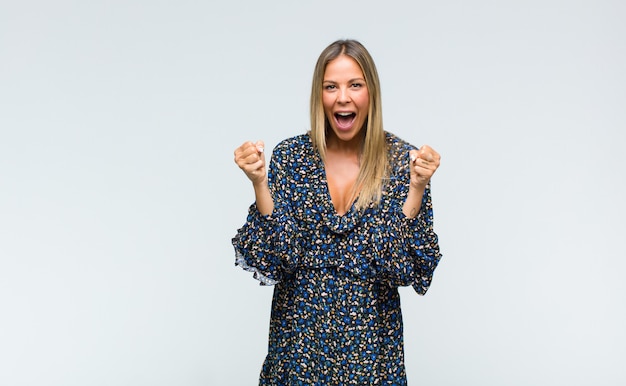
343, 96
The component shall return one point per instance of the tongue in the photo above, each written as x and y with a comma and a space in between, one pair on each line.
344, 122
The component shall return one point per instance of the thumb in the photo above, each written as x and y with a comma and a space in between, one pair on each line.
413, 154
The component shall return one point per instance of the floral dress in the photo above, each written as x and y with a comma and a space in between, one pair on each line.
336, 316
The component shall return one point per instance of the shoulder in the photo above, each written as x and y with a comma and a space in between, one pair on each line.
398, 150
296, 145
293, 153
293, 161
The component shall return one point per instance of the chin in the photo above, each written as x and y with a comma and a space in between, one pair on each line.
347, 135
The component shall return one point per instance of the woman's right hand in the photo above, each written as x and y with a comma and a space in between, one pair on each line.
250, 158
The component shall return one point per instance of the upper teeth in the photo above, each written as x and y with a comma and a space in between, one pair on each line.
344, 114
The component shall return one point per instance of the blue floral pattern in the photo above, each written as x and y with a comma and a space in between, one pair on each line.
336, 317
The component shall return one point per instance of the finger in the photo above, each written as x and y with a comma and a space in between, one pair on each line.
413, 154
254, 167
426, 153
434, 156
423, 173
260, 146
252, 158
248, 152
243, 150
424, 168
426, 161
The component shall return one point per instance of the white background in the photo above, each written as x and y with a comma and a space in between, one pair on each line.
119, 195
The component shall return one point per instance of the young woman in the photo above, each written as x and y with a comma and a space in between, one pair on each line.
342, 218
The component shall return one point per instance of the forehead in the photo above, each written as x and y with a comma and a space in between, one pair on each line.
342, 66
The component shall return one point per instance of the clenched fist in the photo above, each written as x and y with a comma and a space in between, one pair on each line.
250, 158
424, 163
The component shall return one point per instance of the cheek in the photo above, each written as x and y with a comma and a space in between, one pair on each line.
364, 103
327, 102
364, 100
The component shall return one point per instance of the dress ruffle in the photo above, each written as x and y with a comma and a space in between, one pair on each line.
241, 261
262, 246
378, 243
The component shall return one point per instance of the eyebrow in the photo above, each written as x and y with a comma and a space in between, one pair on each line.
350, 81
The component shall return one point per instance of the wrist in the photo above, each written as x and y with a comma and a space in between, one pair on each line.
418, 187
260, 184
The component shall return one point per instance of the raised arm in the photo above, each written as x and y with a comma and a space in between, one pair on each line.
424, 162
250, 157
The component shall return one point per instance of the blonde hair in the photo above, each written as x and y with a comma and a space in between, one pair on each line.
374, 164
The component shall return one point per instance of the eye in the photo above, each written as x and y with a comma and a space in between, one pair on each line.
356, 85
329, 87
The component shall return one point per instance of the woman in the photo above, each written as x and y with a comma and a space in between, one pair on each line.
342, 218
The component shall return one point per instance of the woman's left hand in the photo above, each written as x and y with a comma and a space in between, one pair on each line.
424, 162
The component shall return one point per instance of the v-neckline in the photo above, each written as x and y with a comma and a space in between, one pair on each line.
337, 223
327, 199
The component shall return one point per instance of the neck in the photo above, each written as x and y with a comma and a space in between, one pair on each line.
351, 147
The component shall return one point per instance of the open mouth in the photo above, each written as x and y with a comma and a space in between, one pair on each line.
344, 119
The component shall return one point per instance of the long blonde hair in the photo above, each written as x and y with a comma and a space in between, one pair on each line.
374, 164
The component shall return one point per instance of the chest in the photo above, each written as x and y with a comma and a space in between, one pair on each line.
341, 177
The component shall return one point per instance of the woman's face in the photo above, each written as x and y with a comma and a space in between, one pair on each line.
345, 97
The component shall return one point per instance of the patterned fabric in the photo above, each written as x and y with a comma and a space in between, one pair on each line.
336, 316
